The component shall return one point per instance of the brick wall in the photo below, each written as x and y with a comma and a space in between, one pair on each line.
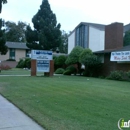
114, 36
109, 66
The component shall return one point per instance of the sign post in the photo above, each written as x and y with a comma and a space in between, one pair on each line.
41, 61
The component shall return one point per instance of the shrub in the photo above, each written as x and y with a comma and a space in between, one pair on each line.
116, 75
128, 74
60, 61
72, 69
6, 67
92, 64
59, 71
85, 73
67, 72
27, 63
10, 60
24, 63
73, 57
84, 54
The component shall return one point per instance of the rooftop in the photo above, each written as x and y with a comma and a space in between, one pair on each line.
16, 45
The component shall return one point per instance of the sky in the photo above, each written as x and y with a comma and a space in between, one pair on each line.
70, 13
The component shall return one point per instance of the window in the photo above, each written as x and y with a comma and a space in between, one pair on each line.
82, 36
27, 53
12, 53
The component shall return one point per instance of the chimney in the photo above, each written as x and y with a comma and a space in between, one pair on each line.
114, 36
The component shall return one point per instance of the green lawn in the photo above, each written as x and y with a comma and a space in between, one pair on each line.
70, 102
17, 71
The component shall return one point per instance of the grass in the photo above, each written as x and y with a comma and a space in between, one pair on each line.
17, 71
69, 102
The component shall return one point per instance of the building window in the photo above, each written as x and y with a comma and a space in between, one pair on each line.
28, 53
12, 53
82, 36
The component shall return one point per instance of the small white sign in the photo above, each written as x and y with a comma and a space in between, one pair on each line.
43, 65
41, 55
120, 56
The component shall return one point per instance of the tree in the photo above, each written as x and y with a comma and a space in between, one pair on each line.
15, 32
127, 38
59, 61
63, 48
92, 64
46, 34
84, 54
2, 2
73, 57
3, 47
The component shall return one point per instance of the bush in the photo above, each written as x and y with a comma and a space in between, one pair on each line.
60, 61
6, 67
85, 73
59, 71
10, 60
73, 57
117, 75
72, 69
24, 63
128, 74
20, 64
27, 63
67, 72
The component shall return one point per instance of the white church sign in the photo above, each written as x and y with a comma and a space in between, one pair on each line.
120, 56
41, 55
42, 58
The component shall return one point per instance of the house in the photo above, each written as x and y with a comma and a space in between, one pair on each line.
114, 44
89, 35
16, 50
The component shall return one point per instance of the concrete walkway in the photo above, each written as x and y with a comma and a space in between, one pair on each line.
11, 118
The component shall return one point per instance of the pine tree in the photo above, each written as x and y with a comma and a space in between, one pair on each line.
46, 34
3, 47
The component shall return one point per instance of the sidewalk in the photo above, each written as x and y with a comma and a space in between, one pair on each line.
11, 118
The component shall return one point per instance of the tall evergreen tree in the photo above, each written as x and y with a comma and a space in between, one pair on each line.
46, 34
3, 47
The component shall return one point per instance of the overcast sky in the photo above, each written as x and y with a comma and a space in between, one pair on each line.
70, 12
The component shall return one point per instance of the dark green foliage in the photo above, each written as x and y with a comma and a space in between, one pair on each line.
72, 69
15, 32
24, 63
73, 57
10, 60
117, 75
127, 38
60, 61
92, 65
20, 64
84, 54
85, 73
46, 34
63, 48
128, 74
28, 63
3, 47
59, 71
67, 72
